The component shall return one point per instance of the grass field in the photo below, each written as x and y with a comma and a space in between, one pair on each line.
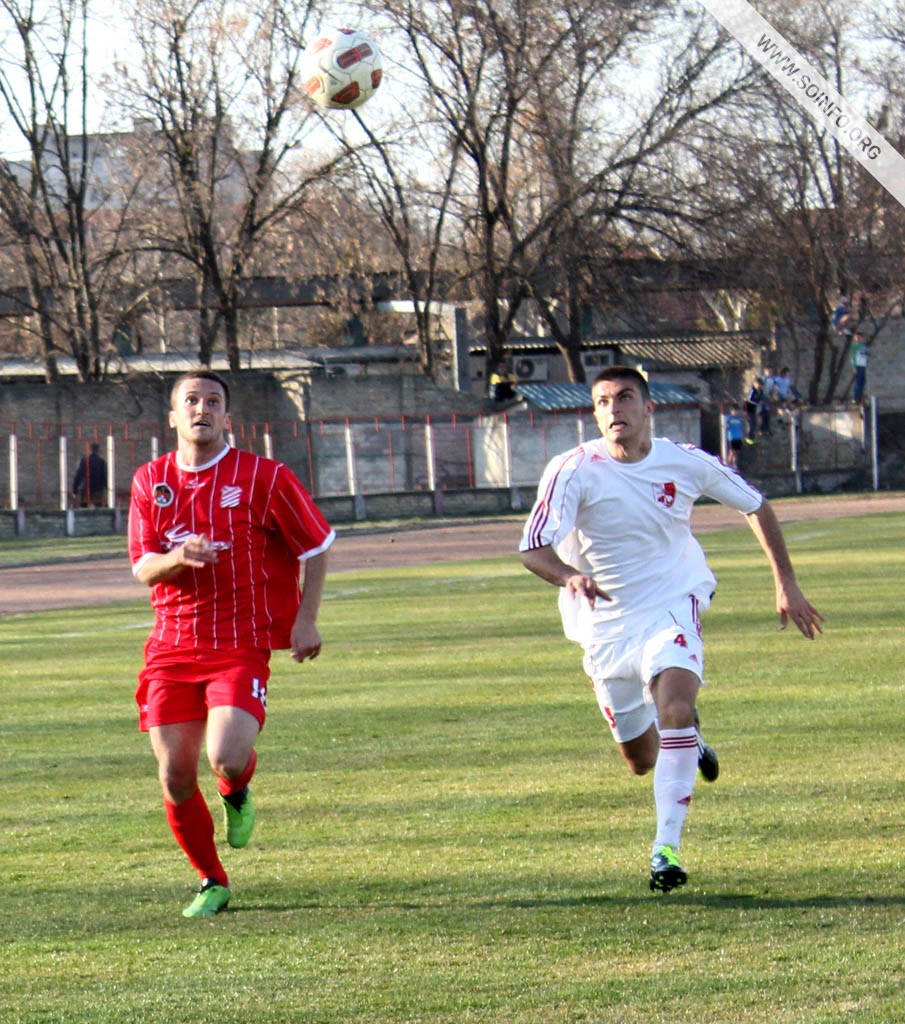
28, 551
446, 831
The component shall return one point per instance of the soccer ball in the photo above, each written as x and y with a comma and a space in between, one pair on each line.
341, 68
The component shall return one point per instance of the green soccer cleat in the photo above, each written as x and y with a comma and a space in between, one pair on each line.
666, 873
210, 900
240, 821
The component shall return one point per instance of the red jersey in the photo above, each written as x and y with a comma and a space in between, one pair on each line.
267, 523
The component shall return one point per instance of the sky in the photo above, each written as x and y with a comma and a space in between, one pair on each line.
109, 41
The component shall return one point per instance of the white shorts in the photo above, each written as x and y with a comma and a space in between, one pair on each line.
621, 672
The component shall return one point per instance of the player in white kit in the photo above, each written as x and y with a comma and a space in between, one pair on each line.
612, 528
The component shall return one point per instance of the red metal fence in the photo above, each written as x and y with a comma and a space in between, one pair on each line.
378, 456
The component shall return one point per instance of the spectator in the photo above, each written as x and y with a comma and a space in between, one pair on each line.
785, 391
90, 479
841, 313
753, 402
502, 383
860, 356
735, 434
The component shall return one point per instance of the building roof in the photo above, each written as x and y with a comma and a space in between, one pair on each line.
722, 350
699, 350
330, 360
562, 397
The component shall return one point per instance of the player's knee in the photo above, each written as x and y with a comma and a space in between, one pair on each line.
675, 709
641, 753
677, 714
177, 784
227, 765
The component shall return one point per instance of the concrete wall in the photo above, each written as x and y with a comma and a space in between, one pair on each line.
134, 410
256, 396
472, 453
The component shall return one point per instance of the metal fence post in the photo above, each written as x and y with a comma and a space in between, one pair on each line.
724, 439
429, 455
874, 444
351, 472
64, 473
794, 456
515, 495
111, 470
14, 471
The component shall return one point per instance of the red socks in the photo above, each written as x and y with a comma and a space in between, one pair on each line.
192, 825
227, 788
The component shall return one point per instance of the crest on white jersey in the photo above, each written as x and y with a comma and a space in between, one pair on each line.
665, 494
230, 496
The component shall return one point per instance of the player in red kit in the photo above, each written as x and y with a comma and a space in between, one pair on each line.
219, 536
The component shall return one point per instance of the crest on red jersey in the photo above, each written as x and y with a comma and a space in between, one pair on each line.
665, 494
163, 495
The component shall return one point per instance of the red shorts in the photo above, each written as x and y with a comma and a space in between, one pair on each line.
179, 685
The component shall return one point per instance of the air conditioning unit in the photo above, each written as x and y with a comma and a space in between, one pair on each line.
531, 368
593, 362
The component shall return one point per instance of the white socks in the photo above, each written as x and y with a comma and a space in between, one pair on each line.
674, 778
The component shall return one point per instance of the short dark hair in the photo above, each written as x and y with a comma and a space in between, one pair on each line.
201, 373
621, 373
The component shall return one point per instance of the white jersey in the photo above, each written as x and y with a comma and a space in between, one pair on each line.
628, 524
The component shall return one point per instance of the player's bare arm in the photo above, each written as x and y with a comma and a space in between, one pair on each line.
194, 553
545, 562
790, 601
305, 637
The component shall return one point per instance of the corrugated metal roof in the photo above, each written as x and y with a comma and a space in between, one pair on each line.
555, 397
671, 394
560, 397
723, 352
699, 350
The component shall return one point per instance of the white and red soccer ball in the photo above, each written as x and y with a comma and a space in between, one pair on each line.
341, 68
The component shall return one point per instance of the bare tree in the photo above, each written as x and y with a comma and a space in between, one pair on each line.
69, 240
809, 220
409, 195
620, 184
548, 155
219, 81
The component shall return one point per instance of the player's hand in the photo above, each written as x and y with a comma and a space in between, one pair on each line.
792, 605
305, 641
198, 551
586, 587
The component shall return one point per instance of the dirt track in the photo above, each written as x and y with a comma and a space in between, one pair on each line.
104, 581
